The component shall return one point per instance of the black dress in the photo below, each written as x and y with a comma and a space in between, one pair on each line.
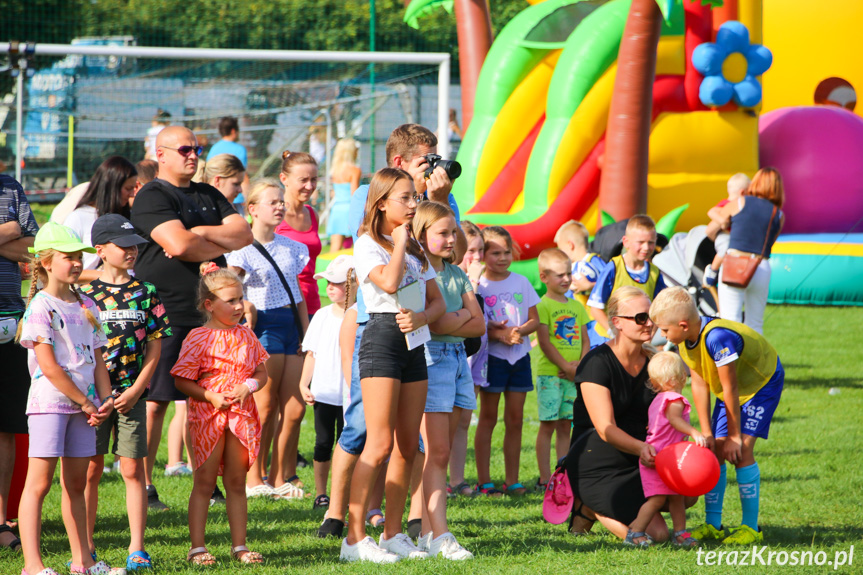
605, 479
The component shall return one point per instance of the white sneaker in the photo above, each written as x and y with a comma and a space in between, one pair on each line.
424, 541
447, 547
402, 546
177, 470
366, 550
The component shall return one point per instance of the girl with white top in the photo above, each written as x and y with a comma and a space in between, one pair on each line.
393, 378
323, 381
277, 330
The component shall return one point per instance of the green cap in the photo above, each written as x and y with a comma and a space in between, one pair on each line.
53, 236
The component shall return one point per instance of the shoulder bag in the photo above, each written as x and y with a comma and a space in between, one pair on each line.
284, 281
739, 267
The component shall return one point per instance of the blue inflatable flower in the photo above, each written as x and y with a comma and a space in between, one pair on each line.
730, 66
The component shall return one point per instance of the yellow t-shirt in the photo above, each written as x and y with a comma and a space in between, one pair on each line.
564, 321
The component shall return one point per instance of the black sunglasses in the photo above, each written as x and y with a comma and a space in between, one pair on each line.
186, 150
639, 318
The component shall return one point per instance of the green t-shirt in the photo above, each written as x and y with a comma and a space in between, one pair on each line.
453, 283
563, 321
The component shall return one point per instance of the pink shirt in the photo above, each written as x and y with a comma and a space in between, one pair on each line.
312, 240
660, 434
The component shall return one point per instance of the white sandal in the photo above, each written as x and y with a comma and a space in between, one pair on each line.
262, 490
249, 557
289, 491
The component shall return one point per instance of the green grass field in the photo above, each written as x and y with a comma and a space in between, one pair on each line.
811, 483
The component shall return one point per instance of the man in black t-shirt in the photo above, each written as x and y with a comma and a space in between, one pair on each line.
185, 223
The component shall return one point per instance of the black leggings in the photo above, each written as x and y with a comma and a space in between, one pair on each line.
328, 418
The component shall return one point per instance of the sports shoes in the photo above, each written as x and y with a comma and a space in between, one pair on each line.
402, 546
744, 535
177, 470
331, 528
711, 277
217, 497
366, 550
321, 502
707, 532
262, 490
447, 547
415, 527
301, 461
424, 541
153, 501
289, 491
138, 560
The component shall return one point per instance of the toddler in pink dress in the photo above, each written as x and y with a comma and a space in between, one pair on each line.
667, 424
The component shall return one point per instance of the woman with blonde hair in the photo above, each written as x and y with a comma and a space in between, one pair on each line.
345, 176
756, 219
282, 320
610, 422
225, 173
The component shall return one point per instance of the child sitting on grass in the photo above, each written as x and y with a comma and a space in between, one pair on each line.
135, 321
744, 373
667, 424
562, 336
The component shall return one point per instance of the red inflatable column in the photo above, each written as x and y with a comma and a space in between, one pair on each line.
19, 474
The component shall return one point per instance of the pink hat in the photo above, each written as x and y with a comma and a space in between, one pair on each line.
557, 503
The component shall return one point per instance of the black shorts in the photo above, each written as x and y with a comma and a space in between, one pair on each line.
14, 388
162, 386
384, 352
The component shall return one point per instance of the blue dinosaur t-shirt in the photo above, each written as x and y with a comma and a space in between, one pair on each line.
564, 321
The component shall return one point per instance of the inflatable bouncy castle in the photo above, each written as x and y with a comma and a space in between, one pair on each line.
571, 119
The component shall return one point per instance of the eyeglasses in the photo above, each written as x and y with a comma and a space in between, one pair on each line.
186, 150
639, 318
415, 200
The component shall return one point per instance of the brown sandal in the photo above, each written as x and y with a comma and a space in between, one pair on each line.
248, 557
200, 556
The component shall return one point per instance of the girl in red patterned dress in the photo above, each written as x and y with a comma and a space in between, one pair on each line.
221, 364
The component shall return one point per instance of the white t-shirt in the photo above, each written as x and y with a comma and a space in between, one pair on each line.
367, 256
82, 220
261, 284
322, 339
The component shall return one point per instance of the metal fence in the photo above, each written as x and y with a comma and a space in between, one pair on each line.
101, 95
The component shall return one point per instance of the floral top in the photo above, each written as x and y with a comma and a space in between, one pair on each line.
65, 326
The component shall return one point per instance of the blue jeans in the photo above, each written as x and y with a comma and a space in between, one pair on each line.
353, 438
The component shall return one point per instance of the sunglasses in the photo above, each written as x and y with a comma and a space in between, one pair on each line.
639, 318
186, 150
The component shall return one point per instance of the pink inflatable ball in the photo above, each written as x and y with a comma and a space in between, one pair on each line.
688, 469
819, 152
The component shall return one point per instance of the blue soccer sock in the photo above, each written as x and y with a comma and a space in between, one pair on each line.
713, 500
749, 484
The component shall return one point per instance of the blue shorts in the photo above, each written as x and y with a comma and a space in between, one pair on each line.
502, 376
755, 414
450, 382
353, 437
277, 331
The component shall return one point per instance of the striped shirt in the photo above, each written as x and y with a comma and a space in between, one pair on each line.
13, 208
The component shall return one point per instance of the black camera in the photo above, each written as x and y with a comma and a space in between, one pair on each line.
453, 168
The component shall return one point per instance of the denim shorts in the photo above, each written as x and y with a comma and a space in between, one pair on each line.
277, 331
353, 437
757, 413
502, 376
384, 352
450, 381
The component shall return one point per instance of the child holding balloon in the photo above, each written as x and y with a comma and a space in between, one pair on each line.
667, 424
743, 370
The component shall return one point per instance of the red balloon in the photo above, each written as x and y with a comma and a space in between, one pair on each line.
687, 468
